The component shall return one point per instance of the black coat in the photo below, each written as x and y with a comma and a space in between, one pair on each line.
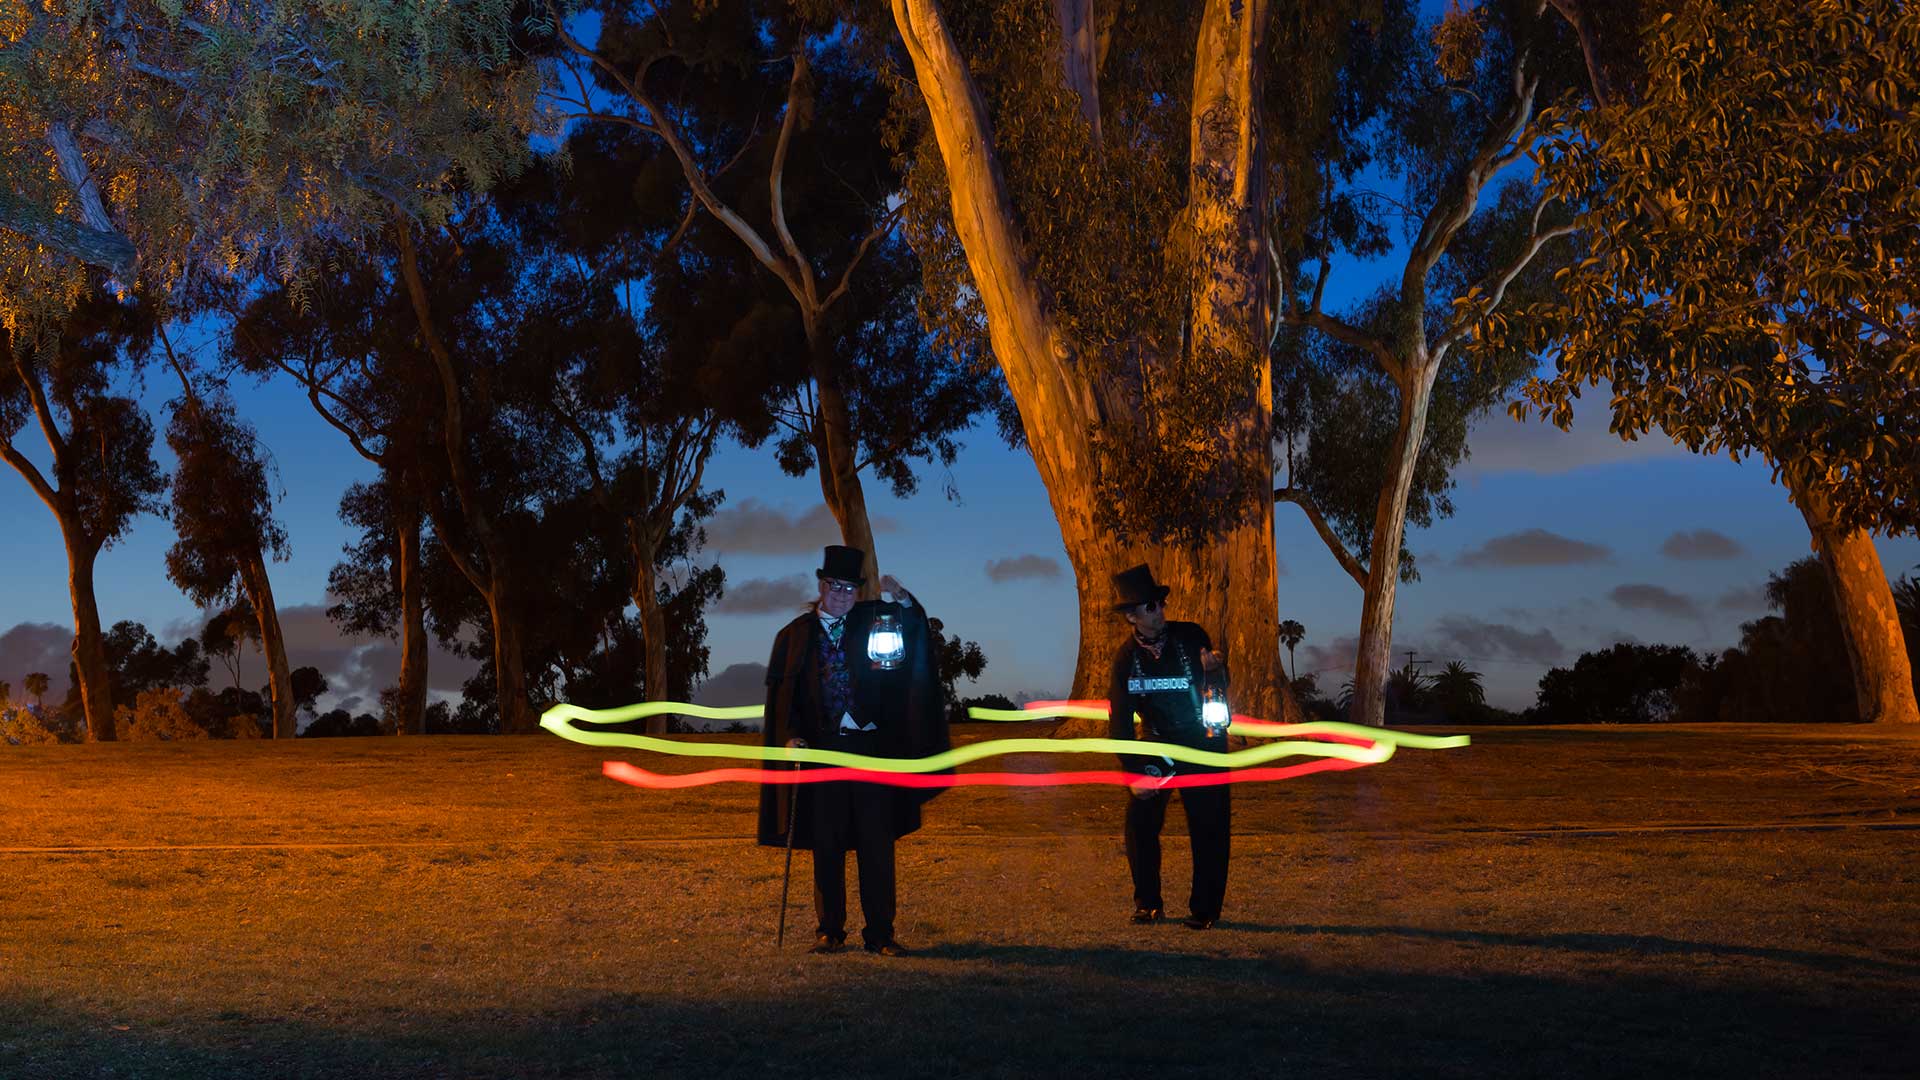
907, 704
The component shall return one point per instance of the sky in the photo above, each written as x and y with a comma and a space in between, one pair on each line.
1561, 543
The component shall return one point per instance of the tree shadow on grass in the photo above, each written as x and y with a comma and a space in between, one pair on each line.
1013, 1010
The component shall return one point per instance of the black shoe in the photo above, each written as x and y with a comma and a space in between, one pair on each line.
1146, 916
888, 947
827, 943
1198, 922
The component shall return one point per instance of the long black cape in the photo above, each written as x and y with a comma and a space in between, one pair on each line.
913, 707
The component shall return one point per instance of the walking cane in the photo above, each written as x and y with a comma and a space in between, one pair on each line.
786, 880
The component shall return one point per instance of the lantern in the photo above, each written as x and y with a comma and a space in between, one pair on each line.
1214, 712
886, 646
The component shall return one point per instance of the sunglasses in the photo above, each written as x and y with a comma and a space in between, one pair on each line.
1151, 605
841, 587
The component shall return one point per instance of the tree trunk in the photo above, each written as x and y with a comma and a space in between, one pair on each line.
653, 629
1869, 623
89, 649
509, 660
836, 457
1230, 586
1375, 660
411, 701
273, 643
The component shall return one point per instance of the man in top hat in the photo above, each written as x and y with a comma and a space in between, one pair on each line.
823, 691
1162, 672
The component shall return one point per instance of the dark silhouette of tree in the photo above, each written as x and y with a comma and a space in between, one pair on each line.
1790, 666
378, 588
1625, 683
954, 659
137, 662
99, 444
1457, 691
785, 186
36, 685
1292, 634
226, 531
225, 635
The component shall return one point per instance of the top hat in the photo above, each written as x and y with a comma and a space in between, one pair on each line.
844, 563
1135, 586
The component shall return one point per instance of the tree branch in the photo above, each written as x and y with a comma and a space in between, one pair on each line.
885, 226
1497, 291
1305, 502
777, 172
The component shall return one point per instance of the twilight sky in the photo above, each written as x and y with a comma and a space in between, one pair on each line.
1561, 543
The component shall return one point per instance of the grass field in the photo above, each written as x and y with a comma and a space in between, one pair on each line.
1548, 902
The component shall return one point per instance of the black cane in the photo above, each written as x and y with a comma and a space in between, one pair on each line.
786, 880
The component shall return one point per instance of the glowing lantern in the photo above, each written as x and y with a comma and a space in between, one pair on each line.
1214, 712
886, 647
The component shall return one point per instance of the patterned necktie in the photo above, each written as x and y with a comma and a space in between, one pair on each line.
834, 626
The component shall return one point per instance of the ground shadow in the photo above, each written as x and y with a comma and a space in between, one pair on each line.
1015, 1010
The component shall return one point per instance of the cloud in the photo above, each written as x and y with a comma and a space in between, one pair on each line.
766, 596
1655, 599
1701, 544
31, 647
1533, 547
1499, 444
1022, 566
737, 684
1467, 636
1746, 598
1336, 655
753, 527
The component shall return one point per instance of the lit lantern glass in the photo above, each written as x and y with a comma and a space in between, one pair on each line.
886, 647
1214, 712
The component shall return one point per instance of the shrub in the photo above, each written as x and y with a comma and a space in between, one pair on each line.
157, 715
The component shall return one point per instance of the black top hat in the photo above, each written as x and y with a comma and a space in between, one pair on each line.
1135, 586
844, 563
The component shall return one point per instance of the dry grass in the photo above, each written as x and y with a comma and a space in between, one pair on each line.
1576, 902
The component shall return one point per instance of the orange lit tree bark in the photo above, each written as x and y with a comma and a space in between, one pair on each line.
1076, 406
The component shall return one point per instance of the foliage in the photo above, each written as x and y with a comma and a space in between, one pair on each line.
954, 658
222, 500
137, 663
1625, 683
218, 140
21, 725
1791, 666
1457, 692
157, 715
339, 723
1751, 286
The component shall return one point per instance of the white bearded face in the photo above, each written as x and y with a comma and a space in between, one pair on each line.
837, 596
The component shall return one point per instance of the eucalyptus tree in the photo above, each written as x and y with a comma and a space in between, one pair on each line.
1750, 287
769, 117
100, 473
225, 528
1089, 188
1441, 109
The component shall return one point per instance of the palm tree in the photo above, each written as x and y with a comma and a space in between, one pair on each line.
1458, 688
1291, 632
36, 684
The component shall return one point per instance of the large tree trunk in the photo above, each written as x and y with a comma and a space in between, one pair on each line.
89, 650
1230, 586
253, 575
509, 660
411, 702
1869, 623
836, 457
1375, 660
653, 629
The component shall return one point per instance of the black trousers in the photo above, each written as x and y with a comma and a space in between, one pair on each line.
1209, 827
855, 817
